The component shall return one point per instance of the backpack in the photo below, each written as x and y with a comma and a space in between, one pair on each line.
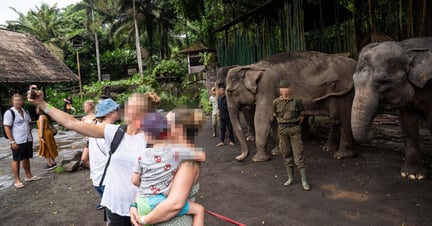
114, 145
13, 120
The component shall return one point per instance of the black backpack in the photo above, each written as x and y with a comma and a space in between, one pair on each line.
13, 120
114, 145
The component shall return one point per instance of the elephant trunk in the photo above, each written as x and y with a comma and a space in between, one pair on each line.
365, 105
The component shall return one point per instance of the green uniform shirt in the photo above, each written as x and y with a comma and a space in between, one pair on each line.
287, 110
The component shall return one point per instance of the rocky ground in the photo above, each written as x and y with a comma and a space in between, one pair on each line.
366, 190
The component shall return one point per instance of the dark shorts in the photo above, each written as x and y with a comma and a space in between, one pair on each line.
25, 151
117, 220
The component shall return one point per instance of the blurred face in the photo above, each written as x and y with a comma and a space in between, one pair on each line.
113, 116
88, 108
221, 91
285, 92
132, 111
213, 92
17, 102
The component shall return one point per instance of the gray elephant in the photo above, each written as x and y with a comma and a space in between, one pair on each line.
322, 81
395, 75
248, 111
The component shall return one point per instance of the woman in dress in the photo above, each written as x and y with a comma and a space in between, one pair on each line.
47, 144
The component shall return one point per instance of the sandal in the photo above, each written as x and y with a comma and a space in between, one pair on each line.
34, 178
19, 185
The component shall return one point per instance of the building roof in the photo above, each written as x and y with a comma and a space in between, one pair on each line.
24, 59
196, 48
311, 14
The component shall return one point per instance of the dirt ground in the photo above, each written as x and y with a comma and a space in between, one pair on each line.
366, 190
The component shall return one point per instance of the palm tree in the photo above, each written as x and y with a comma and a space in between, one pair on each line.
46, 24
92, 26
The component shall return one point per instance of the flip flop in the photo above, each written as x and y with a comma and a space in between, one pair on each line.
34, 178
19, 185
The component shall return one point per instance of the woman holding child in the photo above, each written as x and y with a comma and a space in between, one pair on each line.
119, 191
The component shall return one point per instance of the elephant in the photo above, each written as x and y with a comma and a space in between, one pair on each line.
395, 75
248, 111
322, 81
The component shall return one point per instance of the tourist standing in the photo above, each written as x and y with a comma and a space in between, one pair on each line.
47, 143
88, 118
214, 103
224, 119
16, 123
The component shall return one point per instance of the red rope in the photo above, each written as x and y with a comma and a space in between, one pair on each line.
225, 218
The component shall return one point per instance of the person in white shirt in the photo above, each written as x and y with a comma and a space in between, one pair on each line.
214, 103
16, 124
107, 113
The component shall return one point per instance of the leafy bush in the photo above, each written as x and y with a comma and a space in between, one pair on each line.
170, 68
204, 101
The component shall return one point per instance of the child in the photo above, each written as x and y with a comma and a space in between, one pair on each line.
157, 165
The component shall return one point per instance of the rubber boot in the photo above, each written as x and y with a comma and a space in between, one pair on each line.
305, 184
290, 180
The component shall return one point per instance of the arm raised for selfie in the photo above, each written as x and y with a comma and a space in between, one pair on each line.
67, 120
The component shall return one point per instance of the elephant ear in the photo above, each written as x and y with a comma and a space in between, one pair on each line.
251, 76
420, 68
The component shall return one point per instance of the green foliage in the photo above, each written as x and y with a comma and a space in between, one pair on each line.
204, 101
170, 68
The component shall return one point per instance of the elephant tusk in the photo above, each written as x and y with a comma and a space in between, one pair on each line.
351, 86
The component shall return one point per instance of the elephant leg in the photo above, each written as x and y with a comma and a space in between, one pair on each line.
263, 129
345, 142
333, 137
276, 138
248, 113
413, 168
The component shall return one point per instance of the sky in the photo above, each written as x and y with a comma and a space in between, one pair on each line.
24, 6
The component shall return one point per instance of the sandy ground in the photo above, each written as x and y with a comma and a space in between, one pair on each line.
366, 190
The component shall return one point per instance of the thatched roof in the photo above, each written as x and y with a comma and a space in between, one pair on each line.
24, 59
196, 48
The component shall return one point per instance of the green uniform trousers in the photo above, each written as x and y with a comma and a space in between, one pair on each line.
291, 146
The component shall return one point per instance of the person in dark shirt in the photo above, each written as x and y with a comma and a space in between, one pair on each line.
224, 119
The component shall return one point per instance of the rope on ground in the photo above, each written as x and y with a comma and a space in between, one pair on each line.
229, 220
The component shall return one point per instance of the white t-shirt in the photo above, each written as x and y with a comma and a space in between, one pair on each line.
214, 104
20, 129
119, 191
98, 157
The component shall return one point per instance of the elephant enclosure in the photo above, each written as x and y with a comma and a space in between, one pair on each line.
366, 190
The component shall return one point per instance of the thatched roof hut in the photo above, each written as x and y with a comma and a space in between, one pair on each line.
24, 59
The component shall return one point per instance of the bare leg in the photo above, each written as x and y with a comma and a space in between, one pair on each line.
85, 157
197, 210
16, 171
26, 166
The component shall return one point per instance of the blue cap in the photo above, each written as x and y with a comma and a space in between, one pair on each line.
105, 107
155, 124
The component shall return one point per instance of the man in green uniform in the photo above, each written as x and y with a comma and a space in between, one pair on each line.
287, 111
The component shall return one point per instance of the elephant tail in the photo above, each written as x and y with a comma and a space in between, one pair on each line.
341, 93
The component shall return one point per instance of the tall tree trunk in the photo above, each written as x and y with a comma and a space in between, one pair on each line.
137, 41
410, 20
423, 20
372, 21
97, 48
401, 33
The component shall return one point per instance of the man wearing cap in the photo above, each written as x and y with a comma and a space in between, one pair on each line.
287, 110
